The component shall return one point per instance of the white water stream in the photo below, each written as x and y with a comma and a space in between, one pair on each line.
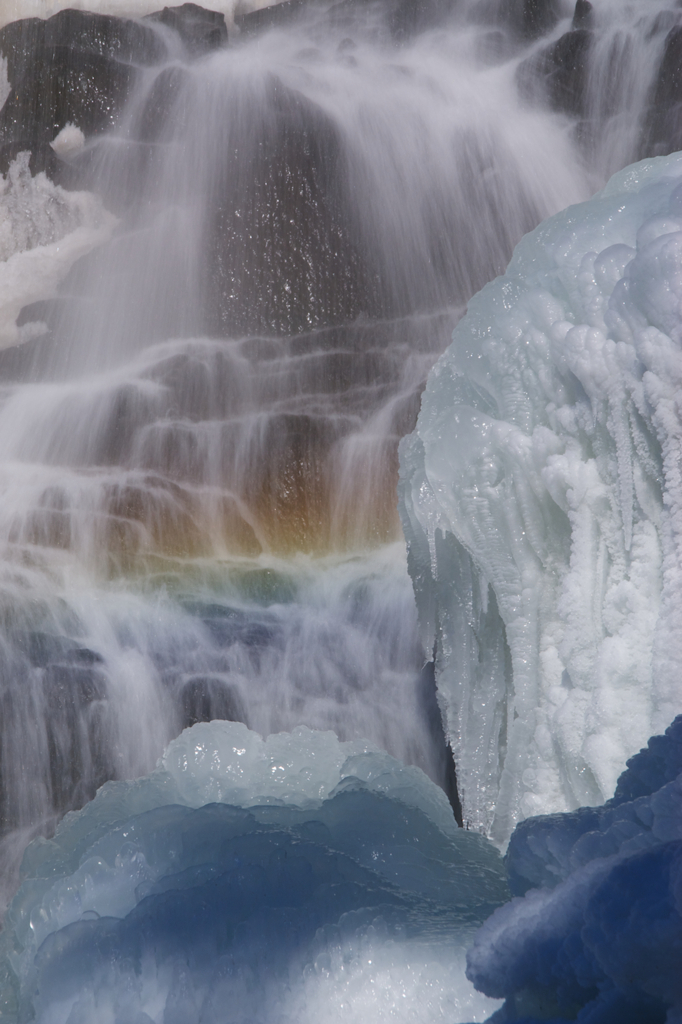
198, 460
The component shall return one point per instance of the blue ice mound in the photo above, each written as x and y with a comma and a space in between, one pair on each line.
645, 811
253, 880
541, 496
604, 944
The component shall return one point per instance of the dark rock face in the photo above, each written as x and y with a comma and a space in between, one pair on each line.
88, 67
408, 17
64, 686
270, 17
531, 19
559, 73
521, 21
205, 698
557, 76
583, 14
665, 125
281, 258
200, 30
401, 18
114, 38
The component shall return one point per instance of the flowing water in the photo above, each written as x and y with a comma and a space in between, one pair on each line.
198, 460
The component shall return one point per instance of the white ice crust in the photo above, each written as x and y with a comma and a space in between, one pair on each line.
43, 231
541, 498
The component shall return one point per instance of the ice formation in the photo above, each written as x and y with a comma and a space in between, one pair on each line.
601, 940
297, 879
43, 231
541, 499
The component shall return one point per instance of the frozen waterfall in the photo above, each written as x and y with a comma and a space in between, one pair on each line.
231, 251
252, 248
540, 496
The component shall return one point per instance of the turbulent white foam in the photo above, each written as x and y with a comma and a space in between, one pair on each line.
293, 879
70, 140
540, 500
43, 231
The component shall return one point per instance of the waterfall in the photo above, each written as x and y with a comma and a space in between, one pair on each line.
231, 256
245, 273
198, 433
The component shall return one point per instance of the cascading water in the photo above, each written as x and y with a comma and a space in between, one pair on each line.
199, 457
227, 309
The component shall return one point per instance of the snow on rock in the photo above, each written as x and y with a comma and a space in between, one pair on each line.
541, 497
69, 141
43, 231
294, 879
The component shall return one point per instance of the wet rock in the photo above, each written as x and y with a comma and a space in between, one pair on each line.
664, 129
205, 698
282, 257
558, 73
252, 22
229, 626
583, 15
159, 107
199, 30
120, 39
88, 64
402, 18
70, 687
79, 762
531, 19
290, 490
408, 17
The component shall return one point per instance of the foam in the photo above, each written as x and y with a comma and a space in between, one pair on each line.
43, 231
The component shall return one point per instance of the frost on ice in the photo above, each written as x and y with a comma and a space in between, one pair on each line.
541, 496
43, 231
296, 879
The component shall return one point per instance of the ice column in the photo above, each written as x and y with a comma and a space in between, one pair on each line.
541, 499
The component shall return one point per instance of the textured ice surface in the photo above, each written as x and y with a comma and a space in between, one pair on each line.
542, 502
43, 231
606, 941
292, 879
